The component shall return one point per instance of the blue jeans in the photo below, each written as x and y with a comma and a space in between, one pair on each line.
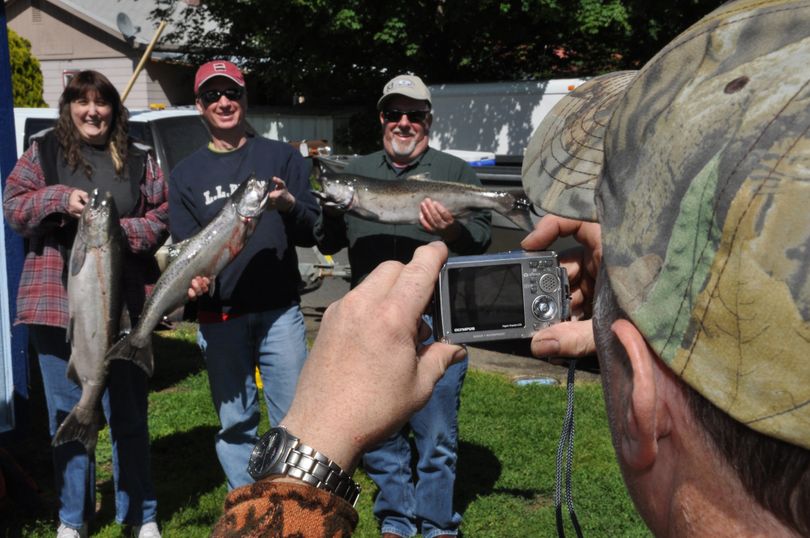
276, 342
404, 502
125, 407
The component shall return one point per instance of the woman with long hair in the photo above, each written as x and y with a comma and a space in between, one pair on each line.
44, 196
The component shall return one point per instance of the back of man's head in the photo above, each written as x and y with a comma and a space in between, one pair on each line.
704, 202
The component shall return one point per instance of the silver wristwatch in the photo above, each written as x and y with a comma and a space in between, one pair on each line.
280, 453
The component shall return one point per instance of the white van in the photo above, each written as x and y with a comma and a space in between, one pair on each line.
173, 133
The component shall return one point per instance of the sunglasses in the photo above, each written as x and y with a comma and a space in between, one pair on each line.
414, 116
212, 96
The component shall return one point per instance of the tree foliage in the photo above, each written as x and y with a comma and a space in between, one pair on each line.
26, 76
343, 51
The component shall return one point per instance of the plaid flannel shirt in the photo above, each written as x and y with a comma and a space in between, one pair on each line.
37, 211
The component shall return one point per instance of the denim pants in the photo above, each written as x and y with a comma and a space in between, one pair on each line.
125, 407
404, 502
276, 342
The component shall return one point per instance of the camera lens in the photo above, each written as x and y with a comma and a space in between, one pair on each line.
544, 308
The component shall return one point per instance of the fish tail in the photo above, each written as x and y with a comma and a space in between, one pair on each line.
520, 214
80, 425
124, 349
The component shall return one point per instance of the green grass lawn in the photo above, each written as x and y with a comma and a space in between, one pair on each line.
505, 486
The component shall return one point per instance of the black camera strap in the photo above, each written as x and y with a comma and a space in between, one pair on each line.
565, 450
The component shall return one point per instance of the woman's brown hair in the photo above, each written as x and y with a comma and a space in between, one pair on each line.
80, 86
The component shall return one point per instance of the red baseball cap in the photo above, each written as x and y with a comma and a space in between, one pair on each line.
217, 68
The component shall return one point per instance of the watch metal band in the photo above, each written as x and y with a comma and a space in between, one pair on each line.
307, 464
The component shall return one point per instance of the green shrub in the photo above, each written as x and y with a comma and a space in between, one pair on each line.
26, 76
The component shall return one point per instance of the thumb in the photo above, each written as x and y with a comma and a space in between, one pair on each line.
434, 360
566, 339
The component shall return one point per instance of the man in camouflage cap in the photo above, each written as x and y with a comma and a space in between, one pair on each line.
700, 165
697, 169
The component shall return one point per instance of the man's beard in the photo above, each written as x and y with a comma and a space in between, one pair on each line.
403, 149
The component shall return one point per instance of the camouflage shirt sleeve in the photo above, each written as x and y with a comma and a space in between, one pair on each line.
272, 509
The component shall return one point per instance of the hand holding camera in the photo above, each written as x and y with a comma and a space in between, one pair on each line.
371, 339
570, 338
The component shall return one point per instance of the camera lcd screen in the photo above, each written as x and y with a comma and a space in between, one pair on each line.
486, 297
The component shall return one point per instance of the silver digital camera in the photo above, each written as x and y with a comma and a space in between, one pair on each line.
499, 296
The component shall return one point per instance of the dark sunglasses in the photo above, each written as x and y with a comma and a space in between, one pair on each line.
212, 96
414, 116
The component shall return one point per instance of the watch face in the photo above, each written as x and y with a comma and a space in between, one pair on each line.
268, 452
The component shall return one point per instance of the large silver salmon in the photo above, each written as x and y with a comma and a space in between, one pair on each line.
95, 301
397, 202
204, 254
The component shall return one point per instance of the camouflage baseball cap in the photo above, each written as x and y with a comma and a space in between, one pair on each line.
564, 157
704, 201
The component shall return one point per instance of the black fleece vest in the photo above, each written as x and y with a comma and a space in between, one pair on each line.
49, 152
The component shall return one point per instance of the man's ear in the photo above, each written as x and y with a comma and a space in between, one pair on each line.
639, 444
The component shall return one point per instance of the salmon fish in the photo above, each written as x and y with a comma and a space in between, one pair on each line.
397, 202
95, 302
204, 254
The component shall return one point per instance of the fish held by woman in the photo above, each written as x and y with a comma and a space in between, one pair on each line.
95, 302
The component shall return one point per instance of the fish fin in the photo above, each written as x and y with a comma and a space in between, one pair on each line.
424, 176
520, 214
72, 374
78, 254
212, 286
145, 359
80, 425
366, 214
124, 350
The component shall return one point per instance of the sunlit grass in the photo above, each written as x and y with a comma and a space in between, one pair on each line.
505, 483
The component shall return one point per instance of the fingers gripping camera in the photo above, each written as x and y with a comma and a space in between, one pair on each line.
499, 296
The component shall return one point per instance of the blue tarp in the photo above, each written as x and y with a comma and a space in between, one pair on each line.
13, 341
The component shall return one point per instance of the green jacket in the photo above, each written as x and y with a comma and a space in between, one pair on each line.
371, 243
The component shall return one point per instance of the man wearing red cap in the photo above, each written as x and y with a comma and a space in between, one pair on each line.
253, 318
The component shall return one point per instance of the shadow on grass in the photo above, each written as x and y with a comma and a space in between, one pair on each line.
184, 468
175, 359
478, 470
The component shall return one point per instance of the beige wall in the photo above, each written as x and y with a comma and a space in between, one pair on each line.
63, 41
170, 83
118, 70
58, 34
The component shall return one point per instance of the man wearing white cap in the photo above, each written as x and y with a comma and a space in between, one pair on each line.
406, 504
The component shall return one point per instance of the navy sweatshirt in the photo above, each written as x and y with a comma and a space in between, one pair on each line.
265, 274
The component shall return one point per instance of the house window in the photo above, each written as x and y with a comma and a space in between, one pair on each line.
67, 76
